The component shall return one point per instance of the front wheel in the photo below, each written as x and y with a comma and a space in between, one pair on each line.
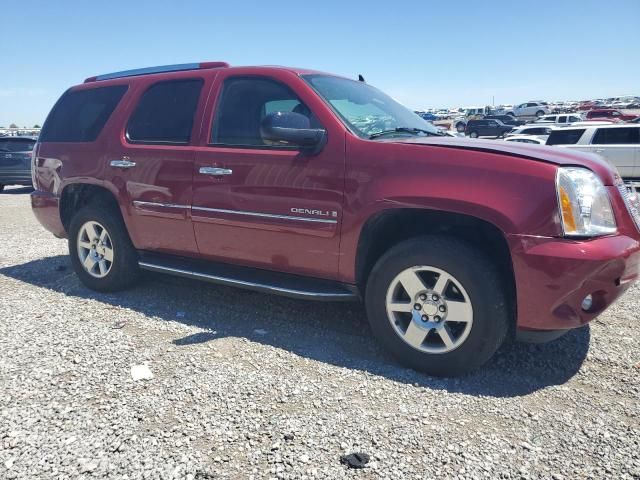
539, 113
473, 134
438, 305
101, 252
460, 127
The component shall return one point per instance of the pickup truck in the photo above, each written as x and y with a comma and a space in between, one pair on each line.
302, 183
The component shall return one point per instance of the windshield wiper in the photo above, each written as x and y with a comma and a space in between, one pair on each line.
404, 130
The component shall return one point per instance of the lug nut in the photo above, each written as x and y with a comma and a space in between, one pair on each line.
437, 318
417, 306
435, 297
423, 297
425, 318
442, 308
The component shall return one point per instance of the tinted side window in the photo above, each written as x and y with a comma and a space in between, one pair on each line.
565, 137
613, 136
165, 112
244, 103
80, 115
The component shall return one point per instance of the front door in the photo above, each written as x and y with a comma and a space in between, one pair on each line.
261, 204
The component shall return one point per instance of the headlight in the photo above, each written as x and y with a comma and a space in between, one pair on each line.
584, 203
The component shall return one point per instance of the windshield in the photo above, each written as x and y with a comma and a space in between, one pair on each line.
366, 110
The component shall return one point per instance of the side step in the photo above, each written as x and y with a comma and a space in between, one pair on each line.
278, 283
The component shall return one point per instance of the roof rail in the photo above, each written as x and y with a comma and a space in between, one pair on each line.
159, 69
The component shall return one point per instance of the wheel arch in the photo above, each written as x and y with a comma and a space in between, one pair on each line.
387, 228
74, 196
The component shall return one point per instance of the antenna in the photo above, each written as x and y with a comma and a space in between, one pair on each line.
361, 78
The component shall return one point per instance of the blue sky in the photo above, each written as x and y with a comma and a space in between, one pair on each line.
424, 53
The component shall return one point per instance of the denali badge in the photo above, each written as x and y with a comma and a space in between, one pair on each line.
322, 213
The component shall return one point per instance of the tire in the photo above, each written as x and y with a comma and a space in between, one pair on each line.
1, 187
460, 127
539, 113
473, 134
511, 114
472, 285
122, 270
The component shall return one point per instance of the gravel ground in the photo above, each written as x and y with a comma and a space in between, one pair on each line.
247, 385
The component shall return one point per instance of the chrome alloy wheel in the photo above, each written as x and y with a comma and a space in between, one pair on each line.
95, 249
429, 309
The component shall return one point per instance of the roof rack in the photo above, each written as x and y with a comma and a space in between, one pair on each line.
159, 69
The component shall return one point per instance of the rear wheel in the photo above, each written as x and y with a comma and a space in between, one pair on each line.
101, 252
438, 305
539, 113
460, 127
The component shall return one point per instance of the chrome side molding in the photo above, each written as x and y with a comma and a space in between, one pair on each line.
265, 215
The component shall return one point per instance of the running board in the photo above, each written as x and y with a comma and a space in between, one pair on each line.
278, 283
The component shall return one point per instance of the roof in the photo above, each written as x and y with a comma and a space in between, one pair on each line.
183, 67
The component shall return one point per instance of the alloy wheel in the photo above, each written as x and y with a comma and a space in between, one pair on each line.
95, 249
429, 309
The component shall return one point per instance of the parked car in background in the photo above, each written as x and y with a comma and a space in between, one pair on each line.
590, 105
15, 160
558, 119
428, 116
526, 139
506, 119
279, 180
540, 131
618, 144
486, 128
529, 109
609, 113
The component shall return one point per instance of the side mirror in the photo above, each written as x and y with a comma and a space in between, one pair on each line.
294, 129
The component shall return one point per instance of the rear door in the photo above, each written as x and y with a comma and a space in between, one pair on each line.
152, 162
619, 146
271, 205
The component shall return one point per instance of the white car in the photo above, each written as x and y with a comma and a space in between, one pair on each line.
559, 119
540, 131
619, 144
526, 139
530, 109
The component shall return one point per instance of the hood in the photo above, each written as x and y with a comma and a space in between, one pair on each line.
555, 155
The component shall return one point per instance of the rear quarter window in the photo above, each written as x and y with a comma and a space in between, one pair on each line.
565, 137
80, 115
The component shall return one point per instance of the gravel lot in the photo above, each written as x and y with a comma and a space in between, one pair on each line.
247, 385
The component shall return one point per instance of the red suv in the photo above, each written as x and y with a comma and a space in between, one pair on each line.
609, 113
315, 186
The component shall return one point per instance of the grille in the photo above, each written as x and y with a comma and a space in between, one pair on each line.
632, 201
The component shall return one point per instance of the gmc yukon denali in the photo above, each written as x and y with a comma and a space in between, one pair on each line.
320, 187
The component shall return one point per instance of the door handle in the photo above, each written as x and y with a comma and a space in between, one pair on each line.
123, 163
215, 171
599, 150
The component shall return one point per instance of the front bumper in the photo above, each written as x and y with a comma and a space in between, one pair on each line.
553, 276
45, 207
